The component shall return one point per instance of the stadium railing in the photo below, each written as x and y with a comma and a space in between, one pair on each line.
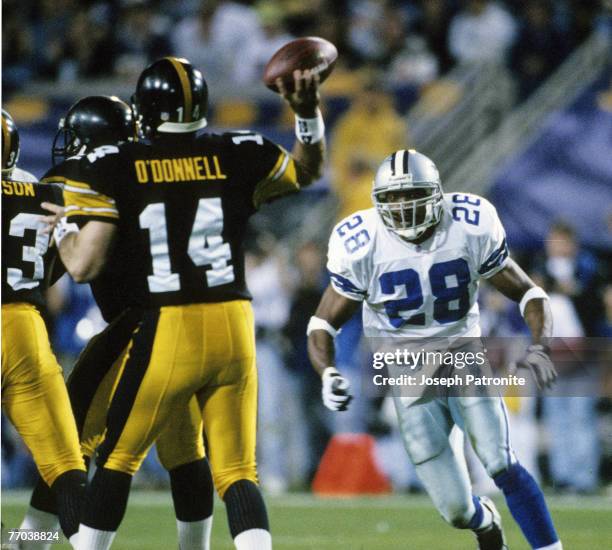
477, 170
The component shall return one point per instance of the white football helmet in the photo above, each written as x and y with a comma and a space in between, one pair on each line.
407, 193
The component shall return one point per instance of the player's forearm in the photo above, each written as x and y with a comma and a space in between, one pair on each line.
82, 262
321, 350
84, 252
538, 318
309, 161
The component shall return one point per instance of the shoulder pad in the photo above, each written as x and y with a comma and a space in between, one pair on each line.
352, 237
19, 174
473, 212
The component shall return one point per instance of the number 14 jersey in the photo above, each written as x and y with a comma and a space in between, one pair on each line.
182, 206
425, 290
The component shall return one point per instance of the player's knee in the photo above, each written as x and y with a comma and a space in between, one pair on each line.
121, 463
173, 456
421, 450
51, 471
225, 478
458, 515
90, 444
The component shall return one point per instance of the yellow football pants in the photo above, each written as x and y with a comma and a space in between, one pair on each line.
93, 382
178, 352
34, 395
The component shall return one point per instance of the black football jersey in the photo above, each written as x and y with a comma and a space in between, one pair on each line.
27, 259
182, 206
111, 289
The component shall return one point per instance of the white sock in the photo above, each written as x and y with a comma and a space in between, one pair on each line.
37, 520
194, 535
487, 518
74, 540
253, 539
94, 539
553, 546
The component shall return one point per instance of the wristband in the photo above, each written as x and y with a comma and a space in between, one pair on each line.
316, 323
63, 229
534, 292
310, 130
538, 348
330, 372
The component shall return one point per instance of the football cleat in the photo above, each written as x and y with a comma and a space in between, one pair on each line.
492, 537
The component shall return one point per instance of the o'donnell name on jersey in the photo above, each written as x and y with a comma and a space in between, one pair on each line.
455, 380
201, 168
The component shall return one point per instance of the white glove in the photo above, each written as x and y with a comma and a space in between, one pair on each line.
336, 390
538, 361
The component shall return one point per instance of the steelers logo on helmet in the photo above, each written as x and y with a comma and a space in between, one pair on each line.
407, 193
171, 97
10, 143
90, 122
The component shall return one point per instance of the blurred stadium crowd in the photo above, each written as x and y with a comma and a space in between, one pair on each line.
391, 52
411, 41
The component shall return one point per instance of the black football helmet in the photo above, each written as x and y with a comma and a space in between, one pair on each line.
10, 143
93, 121
171, 97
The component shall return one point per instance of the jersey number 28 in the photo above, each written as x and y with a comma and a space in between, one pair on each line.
449, 285
206, 246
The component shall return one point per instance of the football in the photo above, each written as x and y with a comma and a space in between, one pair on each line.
311, 52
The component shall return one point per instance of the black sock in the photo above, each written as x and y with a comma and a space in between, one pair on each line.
192, 491
69, 492
245, 508
43, 498
106, 500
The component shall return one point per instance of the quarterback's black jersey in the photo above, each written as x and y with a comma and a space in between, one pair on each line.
182, 207
27, 259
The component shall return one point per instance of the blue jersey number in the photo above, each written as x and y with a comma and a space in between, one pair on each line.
449, 284
408, 278
356, 241
463, 213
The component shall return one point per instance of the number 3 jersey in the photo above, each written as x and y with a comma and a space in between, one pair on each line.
423, 290
182, 206
26, 257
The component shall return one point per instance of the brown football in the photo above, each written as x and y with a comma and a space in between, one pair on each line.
311, 52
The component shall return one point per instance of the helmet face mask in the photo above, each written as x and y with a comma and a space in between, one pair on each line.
10, 143
65, 144
408, 194
92, 121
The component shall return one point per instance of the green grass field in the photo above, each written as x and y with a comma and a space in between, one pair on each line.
377, 523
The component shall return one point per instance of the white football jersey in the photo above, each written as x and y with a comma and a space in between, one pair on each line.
423, 290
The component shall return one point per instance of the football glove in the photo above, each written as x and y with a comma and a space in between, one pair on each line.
336, 390
537, 360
